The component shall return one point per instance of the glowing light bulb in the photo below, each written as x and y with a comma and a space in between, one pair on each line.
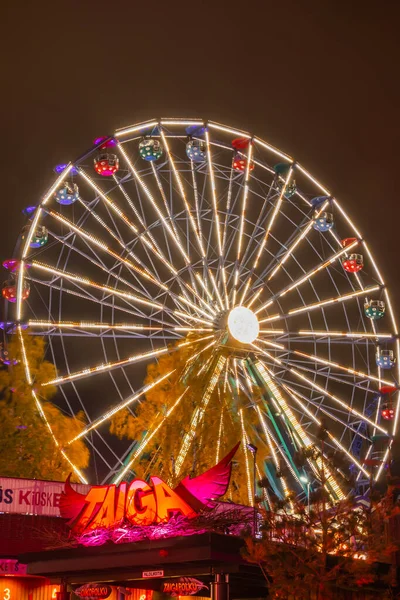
243, 325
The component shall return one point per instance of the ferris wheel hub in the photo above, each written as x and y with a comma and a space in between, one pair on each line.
243, 325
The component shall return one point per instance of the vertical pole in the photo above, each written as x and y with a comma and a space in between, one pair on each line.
253, 449
220, 587
63, 594
255, 493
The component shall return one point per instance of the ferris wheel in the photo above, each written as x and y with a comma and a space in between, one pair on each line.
178, 235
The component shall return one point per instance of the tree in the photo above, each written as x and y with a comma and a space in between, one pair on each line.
211, 440
326, 544
27, 448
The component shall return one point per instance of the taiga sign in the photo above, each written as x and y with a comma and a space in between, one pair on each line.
140, 503
93, 591
184, 586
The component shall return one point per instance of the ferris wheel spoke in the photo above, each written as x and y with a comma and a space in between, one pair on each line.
189, 363
142, 446
106, 444
227, 210
89, 440
157, 209
298, 239
165, 202
272, 444
244, 204
327, 375
273, 217
142, 270
272, 344
118, 238
149, 245
213, 194
110, 413
129, 328
189, 317
74, 277
196, 231
183, 196
267, 232
40, 408
86, 295
217, 227
323, 265
258, 230
220, 429
356, 335
112, 471
322, 390
240, 236
317, 269
168, 227
309, 307
196, 199
337, 443
319, 407
206, 268
324, 361
302, 437
198, 414
102, 266
103, 302
102, 368
105, 367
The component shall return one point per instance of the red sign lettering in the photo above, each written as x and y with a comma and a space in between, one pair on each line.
184, 586
141, 503
93, 591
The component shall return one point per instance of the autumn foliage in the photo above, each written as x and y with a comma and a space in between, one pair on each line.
211, 442
27, 448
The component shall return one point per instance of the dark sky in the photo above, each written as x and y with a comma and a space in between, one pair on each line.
316, 78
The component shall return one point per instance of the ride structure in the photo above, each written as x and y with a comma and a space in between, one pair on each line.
194, 240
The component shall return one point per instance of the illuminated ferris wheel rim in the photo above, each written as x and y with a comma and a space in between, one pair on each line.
128, 134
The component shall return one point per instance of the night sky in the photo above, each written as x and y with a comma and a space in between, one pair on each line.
318, 79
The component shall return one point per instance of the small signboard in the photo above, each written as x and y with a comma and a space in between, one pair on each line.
10, 566
152, 574
32, 496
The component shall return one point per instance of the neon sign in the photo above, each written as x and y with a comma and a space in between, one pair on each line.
184, 586
93, 591
140, 503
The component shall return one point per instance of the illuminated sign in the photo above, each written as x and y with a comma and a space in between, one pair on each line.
184, 586
32, 496
93, 591
152, 574
10, 566
140, 503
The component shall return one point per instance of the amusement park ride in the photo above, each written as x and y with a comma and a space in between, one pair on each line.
178, 233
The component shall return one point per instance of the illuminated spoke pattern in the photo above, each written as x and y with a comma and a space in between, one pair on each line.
204, 245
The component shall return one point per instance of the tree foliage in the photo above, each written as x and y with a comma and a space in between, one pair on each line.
27, 448
208, 445
326, 544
